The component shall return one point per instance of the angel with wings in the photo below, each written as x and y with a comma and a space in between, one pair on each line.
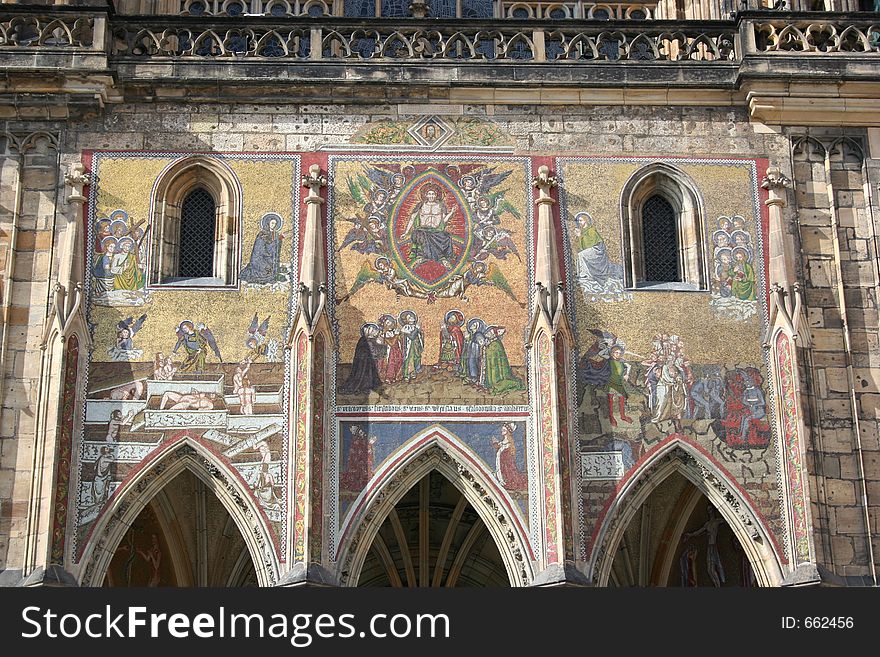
367, 236
123, 346
384, 273
195, 340
479, 273
256, 340
496, 242
491, 205
125, 330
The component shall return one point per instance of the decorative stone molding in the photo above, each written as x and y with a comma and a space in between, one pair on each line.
742, 519
313, 275
434, 457
99, 552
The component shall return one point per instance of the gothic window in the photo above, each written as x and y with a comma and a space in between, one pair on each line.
662, 226
196, 214
197, 227
660, 239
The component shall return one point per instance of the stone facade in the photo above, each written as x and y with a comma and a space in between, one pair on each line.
366, 333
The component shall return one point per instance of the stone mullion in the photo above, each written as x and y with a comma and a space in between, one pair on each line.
312, 340
549, 335
788, 330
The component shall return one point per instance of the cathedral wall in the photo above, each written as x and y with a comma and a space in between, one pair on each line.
593, 150
596, 149
835, 183
29, 177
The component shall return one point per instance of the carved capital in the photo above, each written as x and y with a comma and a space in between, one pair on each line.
544, 182
76, 178
775, 180
314, 181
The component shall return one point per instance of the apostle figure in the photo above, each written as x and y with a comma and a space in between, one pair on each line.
451, 341
102, 231
744, 282
498, 377
471, 365
594, 270
124, 266
104, 279
724, 272
507, 471
412, 344
364, 375
265, 262
391, 364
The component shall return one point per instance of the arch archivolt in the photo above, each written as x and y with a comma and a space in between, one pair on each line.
131, 498
434, 449
684, 459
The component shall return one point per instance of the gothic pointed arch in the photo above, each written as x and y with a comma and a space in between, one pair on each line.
435, 449
663, 226
140, 490
196, 214
686, 460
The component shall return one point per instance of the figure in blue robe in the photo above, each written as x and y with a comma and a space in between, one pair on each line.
265, 261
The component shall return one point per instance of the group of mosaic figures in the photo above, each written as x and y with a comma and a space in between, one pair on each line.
388, 351
392, 350
194, 340
264, 484
119, 258
734, 271
430, 232
674, 392
478, 355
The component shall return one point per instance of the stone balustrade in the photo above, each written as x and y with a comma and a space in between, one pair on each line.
35, 29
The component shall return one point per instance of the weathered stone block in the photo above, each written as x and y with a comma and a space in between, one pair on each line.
840, 492
827, 339
849, 520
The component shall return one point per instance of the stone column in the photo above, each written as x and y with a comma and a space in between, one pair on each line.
550, 341
786, 331
782, 263
311, 342
63, 346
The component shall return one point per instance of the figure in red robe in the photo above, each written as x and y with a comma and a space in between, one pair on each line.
507, 472
359, 465
391, 366
451, 341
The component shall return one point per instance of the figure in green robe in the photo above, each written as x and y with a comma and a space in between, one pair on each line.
126, 273
744, 285
499, 378
413, 344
